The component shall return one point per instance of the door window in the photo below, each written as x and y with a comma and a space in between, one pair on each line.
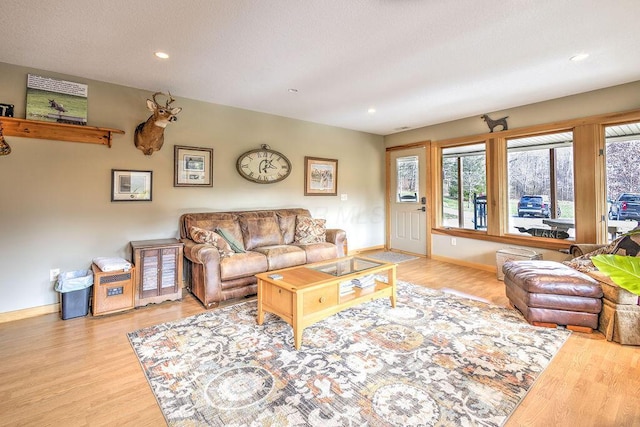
408, 179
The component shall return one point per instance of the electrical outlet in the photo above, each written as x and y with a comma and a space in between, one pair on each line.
453, 241
53, 274
343, 197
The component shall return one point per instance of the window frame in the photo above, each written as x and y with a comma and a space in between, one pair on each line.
611, 235
589, 183
440, 181
553, 197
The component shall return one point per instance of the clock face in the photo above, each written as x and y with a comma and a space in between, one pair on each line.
263, 166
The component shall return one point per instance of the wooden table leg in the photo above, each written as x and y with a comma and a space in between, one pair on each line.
391, 275
297, 337
260, 296
298, 312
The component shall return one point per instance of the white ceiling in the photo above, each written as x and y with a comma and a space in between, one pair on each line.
417, 62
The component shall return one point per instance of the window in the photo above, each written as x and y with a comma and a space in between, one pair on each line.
408, 179
622, 143
549, 184
464, 184
540, 183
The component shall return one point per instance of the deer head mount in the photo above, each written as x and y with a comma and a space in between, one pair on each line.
149, 135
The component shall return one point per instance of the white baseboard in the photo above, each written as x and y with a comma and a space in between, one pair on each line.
10, 316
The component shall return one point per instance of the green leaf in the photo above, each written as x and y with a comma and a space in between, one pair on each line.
623, 270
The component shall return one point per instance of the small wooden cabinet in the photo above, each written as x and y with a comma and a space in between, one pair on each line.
158, 272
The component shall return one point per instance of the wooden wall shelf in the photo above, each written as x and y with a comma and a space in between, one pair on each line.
57, 131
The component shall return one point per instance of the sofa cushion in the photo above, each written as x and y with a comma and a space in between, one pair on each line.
613, 292
234, 243
205, 220
200, 235
243, 264
283, 256
287, 222
260, 231
310, 230
318, 251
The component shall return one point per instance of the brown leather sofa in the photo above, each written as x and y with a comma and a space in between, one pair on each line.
268, 242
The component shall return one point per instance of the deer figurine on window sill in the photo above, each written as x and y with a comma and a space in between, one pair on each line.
149, 135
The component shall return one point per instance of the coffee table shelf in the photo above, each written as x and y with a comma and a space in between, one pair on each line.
306, 295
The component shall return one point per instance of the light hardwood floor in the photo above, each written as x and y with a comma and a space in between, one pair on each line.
83, 371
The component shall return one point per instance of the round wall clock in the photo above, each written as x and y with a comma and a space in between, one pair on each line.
264, 166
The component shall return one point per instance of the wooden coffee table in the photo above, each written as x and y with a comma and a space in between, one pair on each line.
309, 293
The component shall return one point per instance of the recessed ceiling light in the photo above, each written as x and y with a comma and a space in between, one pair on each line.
293, 90
371, 110
579, 57
162, 55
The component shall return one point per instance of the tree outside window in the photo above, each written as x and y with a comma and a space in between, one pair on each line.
464, 183
622, 150
540, 182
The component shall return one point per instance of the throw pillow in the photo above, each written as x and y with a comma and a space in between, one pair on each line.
200, 235
628, 245
228, 236
287, 227
310, 230
260, 231
584, 264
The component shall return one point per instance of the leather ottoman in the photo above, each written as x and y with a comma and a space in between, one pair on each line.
549, 293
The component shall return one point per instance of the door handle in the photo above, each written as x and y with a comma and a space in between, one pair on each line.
423, 209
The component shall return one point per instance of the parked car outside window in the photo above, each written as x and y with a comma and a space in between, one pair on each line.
534, 205
627, 207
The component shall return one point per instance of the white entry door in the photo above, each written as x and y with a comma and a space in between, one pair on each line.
408, 201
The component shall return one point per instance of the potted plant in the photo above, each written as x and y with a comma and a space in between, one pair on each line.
624, 271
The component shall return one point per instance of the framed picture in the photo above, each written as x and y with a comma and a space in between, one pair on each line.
193, 166
53, 100
130, 185
320, 177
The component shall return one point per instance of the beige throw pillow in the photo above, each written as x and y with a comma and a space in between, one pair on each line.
310, 230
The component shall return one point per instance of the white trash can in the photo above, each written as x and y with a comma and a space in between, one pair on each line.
513, 254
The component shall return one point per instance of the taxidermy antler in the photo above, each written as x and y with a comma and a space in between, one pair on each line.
149, 135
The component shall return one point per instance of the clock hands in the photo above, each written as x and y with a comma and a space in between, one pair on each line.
265, 165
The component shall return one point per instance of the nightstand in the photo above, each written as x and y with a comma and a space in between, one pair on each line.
158, 274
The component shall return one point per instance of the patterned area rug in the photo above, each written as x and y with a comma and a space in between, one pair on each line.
390, 256
435, 360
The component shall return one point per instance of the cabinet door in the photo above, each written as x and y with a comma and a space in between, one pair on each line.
169, 271
150, 260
